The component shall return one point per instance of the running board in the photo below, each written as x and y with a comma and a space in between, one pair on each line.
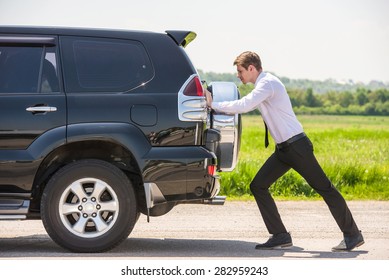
13, 217
14, 209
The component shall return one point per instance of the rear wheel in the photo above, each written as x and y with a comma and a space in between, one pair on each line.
89, 206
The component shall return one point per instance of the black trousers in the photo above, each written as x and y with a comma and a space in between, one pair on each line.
299, 156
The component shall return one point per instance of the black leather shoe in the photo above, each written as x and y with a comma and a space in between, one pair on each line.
349, 243
276, 241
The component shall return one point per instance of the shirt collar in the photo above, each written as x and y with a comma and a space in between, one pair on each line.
260, 76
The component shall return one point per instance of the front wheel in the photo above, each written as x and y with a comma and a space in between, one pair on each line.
89, 206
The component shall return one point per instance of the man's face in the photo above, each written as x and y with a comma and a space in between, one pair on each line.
246, 75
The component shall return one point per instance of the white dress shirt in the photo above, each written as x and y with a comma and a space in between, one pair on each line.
270, 97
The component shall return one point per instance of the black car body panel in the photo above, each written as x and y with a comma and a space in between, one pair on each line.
109, 99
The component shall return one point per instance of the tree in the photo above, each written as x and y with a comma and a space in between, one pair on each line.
245, 89
361, 98
346, 99
310, 99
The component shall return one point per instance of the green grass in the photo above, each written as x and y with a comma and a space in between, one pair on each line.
353, 151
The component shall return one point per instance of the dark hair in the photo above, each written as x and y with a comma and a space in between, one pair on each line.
248, 58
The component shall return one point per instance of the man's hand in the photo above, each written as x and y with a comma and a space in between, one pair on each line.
208, 97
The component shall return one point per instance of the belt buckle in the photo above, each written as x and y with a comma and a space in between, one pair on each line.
282, 145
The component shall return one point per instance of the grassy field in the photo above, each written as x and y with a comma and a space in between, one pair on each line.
353, 151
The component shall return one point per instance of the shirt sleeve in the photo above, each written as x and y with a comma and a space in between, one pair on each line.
262, 91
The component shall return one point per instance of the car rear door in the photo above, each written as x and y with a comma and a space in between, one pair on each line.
31, 104
229, 126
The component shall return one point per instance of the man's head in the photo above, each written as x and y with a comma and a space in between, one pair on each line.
249, 66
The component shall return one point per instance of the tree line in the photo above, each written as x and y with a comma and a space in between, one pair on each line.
352, 99
361, 102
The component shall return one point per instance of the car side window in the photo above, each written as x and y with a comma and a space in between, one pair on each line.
49, 81
104, 65
28, 69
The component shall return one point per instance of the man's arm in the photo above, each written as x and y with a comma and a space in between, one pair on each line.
209, 98
261, 92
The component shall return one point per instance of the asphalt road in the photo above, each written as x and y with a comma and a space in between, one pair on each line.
229, 231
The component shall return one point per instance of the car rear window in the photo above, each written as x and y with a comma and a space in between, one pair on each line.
104, 65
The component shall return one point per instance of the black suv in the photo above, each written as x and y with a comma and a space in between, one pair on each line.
98, 126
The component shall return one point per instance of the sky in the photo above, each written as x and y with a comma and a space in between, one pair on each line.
307, 39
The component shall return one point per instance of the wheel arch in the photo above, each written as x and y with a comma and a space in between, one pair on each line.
103, 148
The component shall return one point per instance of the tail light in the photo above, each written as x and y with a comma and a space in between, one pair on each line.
194, 88
191, 101
212, 170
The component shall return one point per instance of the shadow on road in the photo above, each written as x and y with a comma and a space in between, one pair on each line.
217, 249
40, 246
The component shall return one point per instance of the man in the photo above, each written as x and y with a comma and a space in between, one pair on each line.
293, 150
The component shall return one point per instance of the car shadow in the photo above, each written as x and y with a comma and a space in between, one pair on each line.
41, 246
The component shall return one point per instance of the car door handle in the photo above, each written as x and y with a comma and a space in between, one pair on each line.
41, 109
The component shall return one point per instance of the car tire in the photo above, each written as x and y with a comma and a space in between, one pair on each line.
89, 206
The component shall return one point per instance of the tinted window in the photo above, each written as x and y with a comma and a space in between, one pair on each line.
104, 65
49, 81
27, 69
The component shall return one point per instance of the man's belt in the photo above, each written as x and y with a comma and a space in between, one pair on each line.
290, 141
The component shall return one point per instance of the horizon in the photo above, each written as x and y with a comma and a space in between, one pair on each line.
316, 40
344, 82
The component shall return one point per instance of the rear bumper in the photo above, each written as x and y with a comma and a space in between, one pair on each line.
180, 173
154, 196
